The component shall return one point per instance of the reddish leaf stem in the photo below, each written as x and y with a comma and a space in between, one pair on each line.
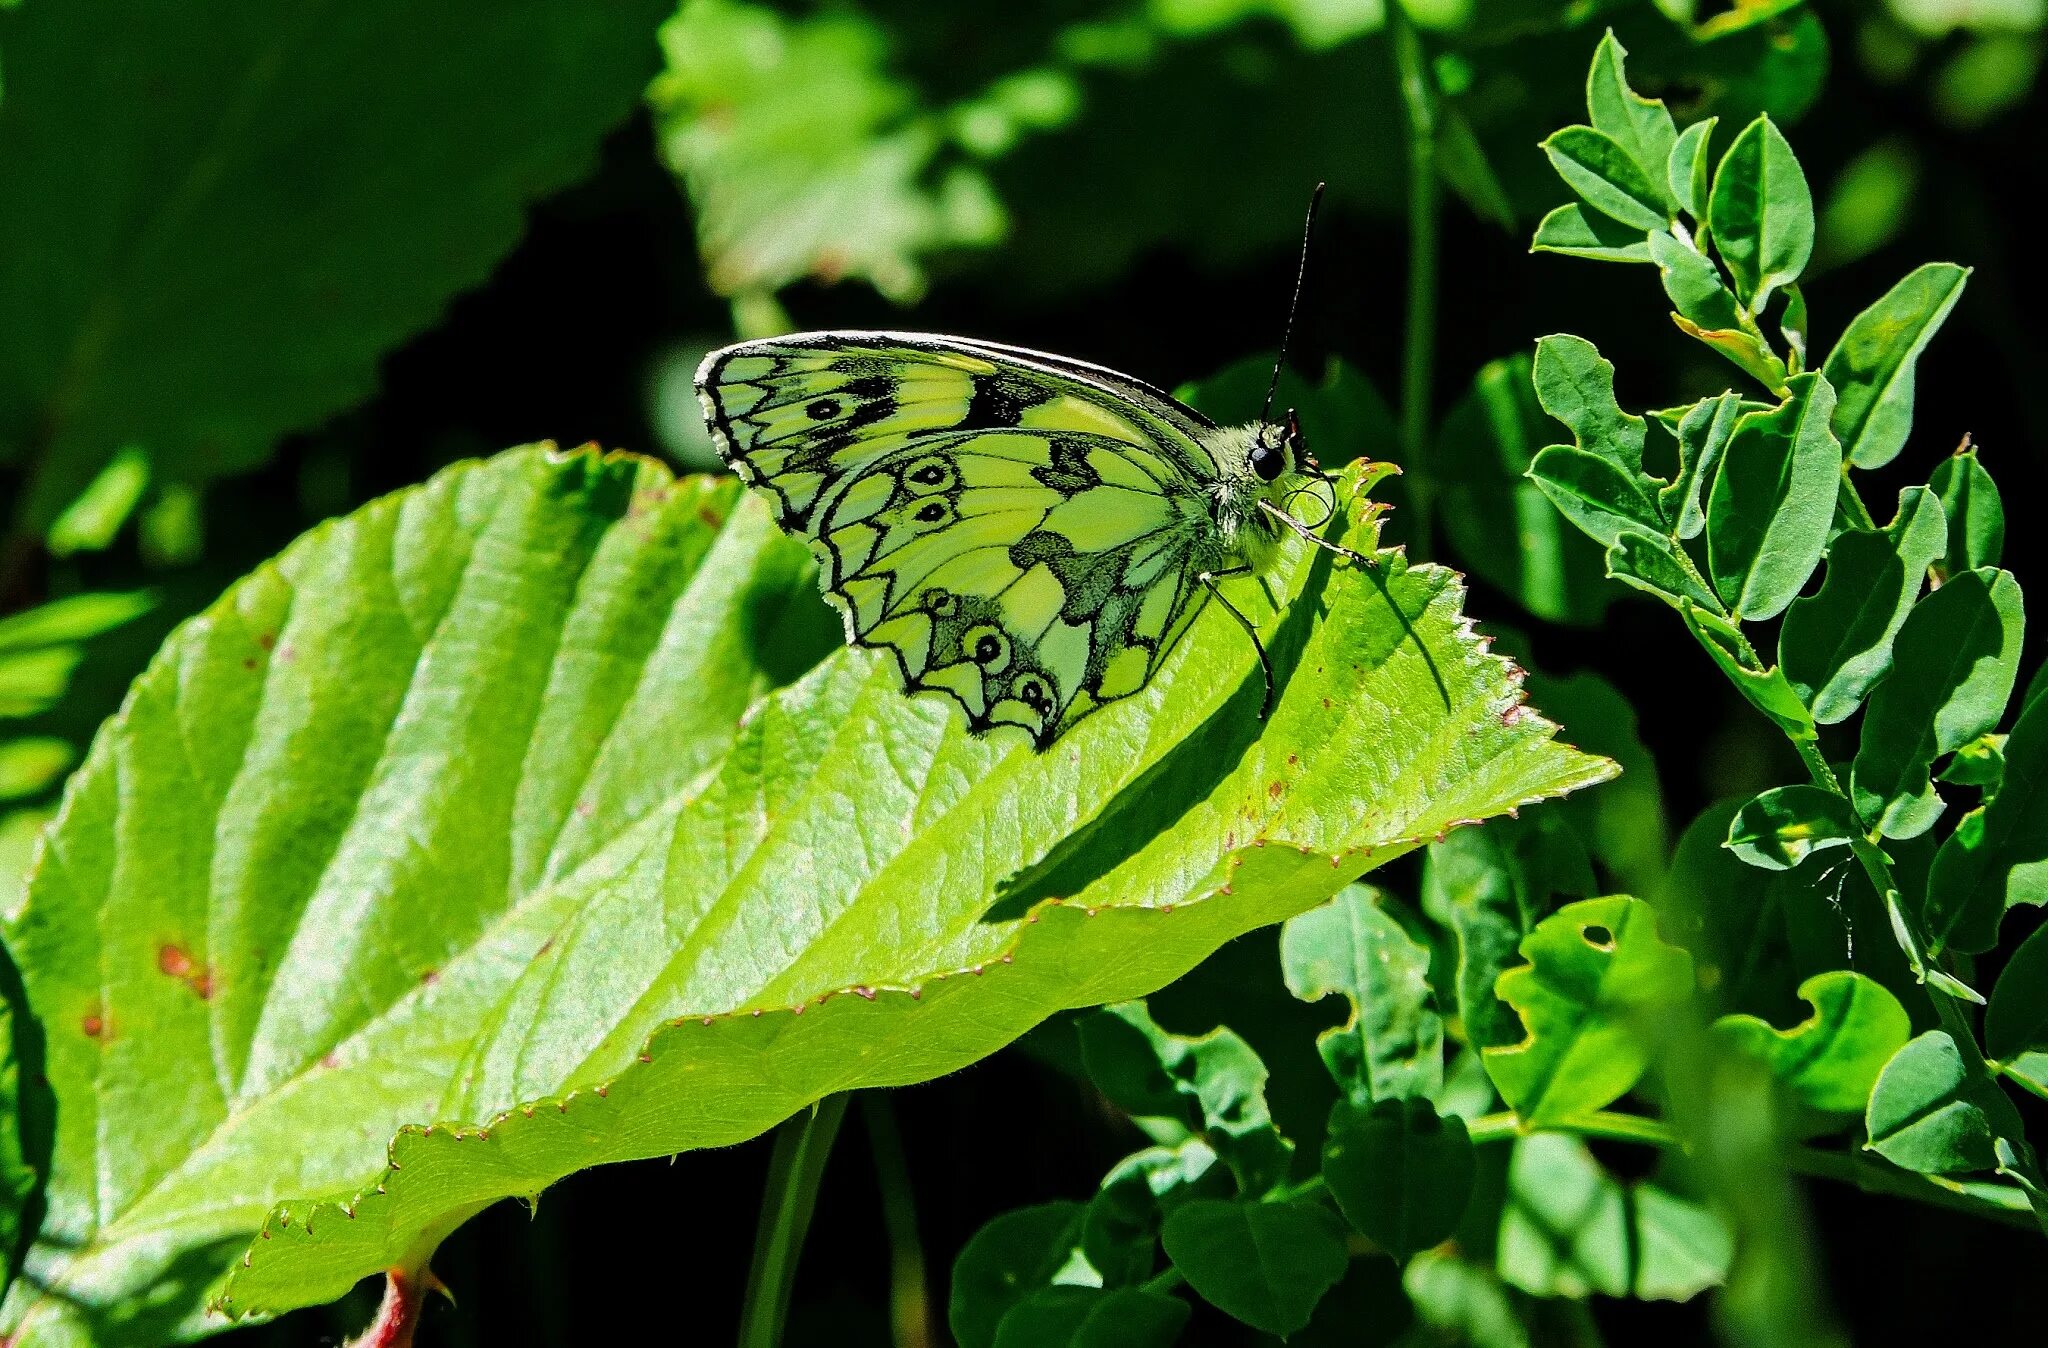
405, 1296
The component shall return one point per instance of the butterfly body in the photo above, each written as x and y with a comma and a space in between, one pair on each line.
1027, 534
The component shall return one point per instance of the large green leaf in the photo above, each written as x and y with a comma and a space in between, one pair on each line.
220, 214
451, 817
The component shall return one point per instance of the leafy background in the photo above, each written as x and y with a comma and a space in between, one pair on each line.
1120, 182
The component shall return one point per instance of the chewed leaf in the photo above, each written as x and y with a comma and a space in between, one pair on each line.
1594, 966
1213, 1085
1831, 1060
1392, 1047
1641, 126
652, 895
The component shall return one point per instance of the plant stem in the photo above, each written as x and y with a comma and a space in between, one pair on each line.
1870, 1176
1873, 1177
909, 1307
1605, 1123
1948, 1008
802, 1144
405, 1295
1852, 502
1418, 97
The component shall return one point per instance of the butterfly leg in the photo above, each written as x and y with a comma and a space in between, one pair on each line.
1313, 537
1209, 578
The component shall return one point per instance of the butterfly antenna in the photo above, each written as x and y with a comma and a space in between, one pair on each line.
1315, 203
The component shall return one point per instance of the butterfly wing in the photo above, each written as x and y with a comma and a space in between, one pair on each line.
1022, 532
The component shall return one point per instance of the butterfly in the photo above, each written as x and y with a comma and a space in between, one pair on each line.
1027, 534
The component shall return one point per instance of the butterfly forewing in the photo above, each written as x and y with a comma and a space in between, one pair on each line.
1021, 534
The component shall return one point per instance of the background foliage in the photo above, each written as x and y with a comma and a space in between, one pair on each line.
261, 265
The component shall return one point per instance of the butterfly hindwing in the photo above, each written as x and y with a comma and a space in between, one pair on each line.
1022, 538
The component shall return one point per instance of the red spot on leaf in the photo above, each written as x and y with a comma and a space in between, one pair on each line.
94, 1023
711, 518
430, 977
173, 961
1274, 789
268, 641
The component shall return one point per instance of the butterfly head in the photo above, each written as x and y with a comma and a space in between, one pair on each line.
1279, 450
1276, 450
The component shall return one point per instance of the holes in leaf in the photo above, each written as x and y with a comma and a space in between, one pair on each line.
1597, 936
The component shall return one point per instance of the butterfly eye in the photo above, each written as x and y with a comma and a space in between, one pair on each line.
1266, 463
